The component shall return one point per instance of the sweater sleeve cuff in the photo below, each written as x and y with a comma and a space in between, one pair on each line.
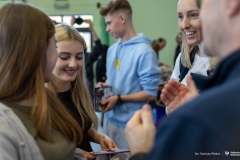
138, 156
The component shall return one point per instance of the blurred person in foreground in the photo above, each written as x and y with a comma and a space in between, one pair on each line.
207, 125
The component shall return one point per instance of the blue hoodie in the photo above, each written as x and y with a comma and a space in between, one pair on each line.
138, 71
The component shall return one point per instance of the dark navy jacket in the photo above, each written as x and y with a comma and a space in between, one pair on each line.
207, 127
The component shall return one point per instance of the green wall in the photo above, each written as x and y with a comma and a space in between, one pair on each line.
154, 18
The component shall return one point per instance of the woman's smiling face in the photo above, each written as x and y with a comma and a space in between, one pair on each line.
189, 21
70, 60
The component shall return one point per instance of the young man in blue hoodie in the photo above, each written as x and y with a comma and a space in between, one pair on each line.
132, 70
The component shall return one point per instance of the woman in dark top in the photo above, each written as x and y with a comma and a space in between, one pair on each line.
70, 84
66, 99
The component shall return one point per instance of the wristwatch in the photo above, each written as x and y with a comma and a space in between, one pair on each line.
119, 100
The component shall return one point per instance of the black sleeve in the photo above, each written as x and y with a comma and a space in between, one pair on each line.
98, 70
138, 156
97, 50
103, 72
179, 138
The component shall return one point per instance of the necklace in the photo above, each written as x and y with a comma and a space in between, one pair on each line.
204, 64
200, 56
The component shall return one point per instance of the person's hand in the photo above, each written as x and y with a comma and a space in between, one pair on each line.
89, 155
107, 143
89, 21
101, 84
140, 131
192, 90
175, 94
109, 103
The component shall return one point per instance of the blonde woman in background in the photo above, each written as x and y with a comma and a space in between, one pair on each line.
191, 59
70, 85
34, 123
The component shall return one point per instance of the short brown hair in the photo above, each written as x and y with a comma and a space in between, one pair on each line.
116, 5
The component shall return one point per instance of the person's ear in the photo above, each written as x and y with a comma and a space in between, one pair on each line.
233, 7
123, 18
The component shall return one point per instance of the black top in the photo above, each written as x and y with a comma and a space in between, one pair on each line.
208, 126
66, 99
101, 65
101, 71
90, 58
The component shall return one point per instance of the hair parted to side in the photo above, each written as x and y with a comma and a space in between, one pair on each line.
116, 5
22, 62
80, 92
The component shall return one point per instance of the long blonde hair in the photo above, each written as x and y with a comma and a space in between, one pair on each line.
80, 92
22, 63
185, 55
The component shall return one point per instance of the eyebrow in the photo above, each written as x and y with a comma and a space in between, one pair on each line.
190, 11
69, 53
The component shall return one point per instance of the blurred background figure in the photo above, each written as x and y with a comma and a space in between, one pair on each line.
101, 65
161, 43
178, 48
158, 45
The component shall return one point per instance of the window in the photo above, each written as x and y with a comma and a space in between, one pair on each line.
83, 28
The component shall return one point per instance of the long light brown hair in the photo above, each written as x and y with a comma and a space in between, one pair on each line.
80, 92
24, 36
185, 55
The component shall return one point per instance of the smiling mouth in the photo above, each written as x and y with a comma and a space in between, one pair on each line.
190, 33
70, 71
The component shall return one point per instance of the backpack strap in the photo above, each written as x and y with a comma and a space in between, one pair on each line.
184, 70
